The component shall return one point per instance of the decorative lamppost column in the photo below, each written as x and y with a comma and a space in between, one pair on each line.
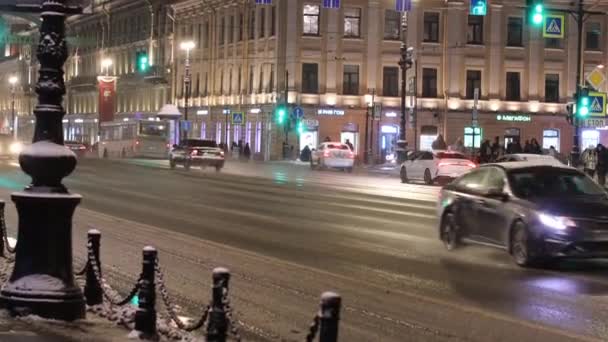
187, 46
42, 282
14, 123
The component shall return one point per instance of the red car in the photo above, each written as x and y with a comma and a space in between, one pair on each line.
79, 149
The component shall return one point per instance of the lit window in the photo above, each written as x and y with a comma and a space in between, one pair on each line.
311, 20
352, 22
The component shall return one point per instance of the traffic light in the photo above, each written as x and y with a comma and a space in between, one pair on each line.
478, 7
280, 114
142, 61
583, 102
536, 11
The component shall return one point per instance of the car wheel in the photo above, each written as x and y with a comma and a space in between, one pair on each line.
172, 163
187, 165
428, 179
403, 175
520, 245
449, 232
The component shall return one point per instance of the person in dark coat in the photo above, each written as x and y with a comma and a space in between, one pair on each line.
485, 152
305, 154
602, 164
496, 148
536, 149
247, 151
527, 147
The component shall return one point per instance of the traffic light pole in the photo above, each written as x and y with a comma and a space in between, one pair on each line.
580, 20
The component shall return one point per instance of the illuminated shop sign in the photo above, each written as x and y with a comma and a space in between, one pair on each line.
513, 118
330, 111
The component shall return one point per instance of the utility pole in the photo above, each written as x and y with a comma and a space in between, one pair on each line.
402, 143
187, 95
286, 95
580, 20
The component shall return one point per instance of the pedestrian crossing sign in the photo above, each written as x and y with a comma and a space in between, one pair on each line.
598, 104
553, 26
238, 118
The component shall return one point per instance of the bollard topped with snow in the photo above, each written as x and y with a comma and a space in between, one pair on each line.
94, 232
47, 163
331, 303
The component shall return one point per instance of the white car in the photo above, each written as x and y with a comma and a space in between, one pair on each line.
537, 158
435, 166
334, 155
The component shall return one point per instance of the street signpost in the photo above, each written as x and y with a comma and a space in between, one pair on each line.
597, 107
553, 26
596, 78
377, 110
238, 118
298, 112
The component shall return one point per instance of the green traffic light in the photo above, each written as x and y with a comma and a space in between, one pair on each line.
584, 111
142, 63
537, 18
538, 8
281, 115
585, 101
300, 128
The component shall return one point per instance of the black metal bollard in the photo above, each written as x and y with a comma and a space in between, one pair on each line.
330, 316
217, 328
92, 288
145, 317
2, 228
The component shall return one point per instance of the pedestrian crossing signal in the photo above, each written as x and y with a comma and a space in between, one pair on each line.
583, 103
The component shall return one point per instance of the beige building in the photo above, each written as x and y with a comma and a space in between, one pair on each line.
337, 60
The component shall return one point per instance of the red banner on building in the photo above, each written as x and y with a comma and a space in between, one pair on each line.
107, 98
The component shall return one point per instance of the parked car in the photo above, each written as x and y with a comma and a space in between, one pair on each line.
334, 155
78, 148
519, 157
434, 166
198, 153
534, 211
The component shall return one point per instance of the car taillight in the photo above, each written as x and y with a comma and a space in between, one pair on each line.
326, 154
351, 155
136, 142
221, 154
194, 153
82, 148
472, 165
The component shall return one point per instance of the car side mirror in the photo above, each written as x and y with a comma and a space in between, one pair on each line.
497, 193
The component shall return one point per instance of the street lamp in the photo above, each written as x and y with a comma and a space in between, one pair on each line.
106, 63
187, 46
13, 82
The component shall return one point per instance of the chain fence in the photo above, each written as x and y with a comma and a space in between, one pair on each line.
216, 323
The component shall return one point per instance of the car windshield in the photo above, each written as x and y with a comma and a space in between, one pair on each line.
338, 147
448, 155
199, 143
542, 182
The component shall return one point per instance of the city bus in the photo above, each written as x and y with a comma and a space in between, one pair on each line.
135, 138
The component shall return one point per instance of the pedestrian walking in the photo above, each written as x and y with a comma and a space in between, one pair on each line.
247, 152
485, 152
589, 158
602, 164
527, 147
439, 144
459, 146
495, 148
350, 145
327, 139
536, 149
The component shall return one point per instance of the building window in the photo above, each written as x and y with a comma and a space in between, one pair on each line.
273, 21
206, 42
553, 43
258, 137
310, 78
515, 32
218, 131
252, 25
221, 83
241, 25
239, 88
352, 22
475, 30
231, 30
200, 34
350, 84
513, 87
473, 82
206, 85
431, 27
271, 80
592, 36
262, 22
429, 82
392, 25
261, 81
390, 81
222, 30
251, 79
552, 88
311, 20
551, 138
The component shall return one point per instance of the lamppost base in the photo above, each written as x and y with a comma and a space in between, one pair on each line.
42, 282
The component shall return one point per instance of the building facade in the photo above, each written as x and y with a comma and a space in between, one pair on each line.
341, 65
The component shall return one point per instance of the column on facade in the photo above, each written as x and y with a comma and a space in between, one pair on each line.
456, 43
495, 62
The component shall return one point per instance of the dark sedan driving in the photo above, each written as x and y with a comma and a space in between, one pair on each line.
535, 212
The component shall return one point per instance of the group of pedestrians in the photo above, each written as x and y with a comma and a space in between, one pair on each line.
595, 162
490, 152
242, 150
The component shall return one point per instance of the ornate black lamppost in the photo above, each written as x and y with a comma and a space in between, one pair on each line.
42, 282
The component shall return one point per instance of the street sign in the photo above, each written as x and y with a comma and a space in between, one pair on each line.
553, 26
298, 112
597, 107
331, 3
403, 5
593, 123
238, 118
186, 125
596, 78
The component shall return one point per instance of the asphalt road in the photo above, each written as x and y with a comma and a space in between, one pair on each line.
289, 233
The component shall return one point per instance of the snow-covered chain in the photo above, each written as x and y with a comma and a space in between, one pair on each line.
170, 307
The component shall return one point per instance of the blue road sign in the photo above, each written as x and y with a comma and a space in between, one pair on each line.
186, 125
403, 5
263, 2
298, 112
331, 3
597, 105
553, 26
238, 118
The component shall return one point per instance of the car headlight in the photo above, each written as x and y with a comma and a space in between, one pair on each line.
556, 222
16, 148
